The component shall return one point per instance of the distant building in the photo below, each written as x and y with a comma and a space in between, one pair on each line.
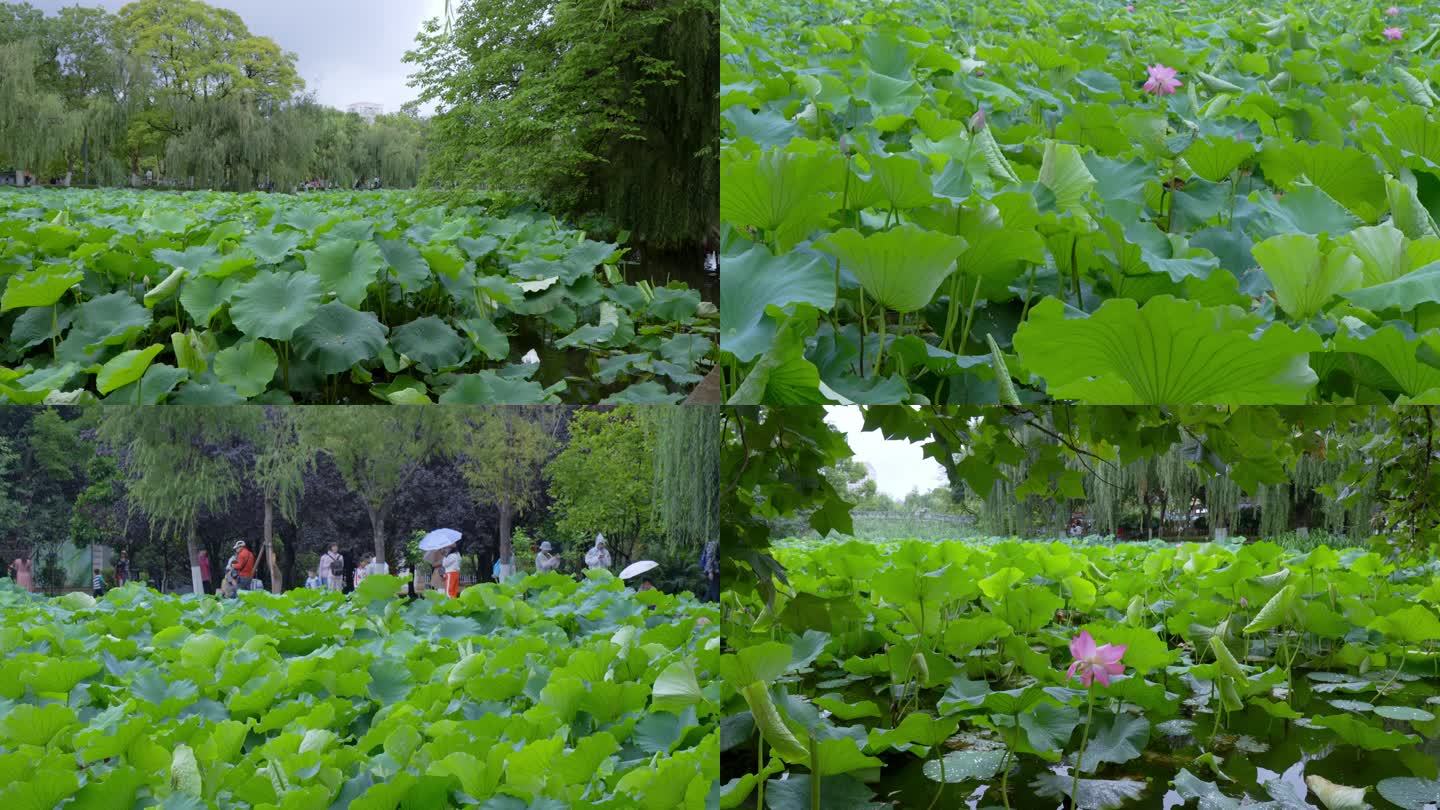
366, 110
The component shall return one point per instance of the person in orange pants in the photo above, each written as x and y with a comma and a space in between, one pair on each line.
451, 564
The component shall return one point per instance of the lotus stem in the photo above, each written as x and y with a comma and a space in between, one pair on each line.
862, 332
880, 350
969, 315
1399, 667
814, 772
1084, 738
760, 774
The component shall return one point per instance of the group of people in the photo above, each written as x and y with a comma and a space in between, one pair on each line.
597, 556
443, 564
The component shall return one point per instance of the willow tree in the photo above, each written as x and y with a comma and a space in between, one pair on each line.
502, 454
589, 107
281, 463
687, 474
179, 464
377, 452
32, 118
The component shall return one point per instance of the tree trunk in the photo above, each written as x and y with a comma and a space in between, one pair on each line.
196, 583
507, 552
19, 177
274, 565
377, 523
1164, 502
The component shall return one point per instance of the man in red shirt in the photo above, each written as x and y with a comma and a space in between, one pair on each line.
244, 565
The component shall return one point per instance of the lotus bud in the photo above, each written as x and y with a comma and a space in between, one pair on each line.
977, 121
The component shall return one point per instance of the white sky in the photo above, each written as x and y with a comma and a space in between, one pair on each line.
350, 50
899, 466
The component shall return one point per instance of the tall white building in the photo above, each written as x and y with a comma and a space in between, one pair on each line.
366, 110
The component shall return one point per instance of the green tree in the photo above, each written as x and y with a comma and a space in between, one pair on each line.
503, 452
377, 451
687, 475
592, 106
282, 460
177, 466
595, 483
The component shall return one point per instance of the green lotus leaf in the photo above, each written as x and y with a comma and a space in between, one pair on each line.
204, 297
1409, 792
1214, 157
274, 305
125, 368
783, 375
112, 319
1404, 293
271, 247
248, 367
337, 339
165, 288
1306, 278
345, 268
643, 393
1382, 250
41, 287
963, 766
902, 267
1395, 349
752, 282
1119, 741
431, 342
1064, 173
780, 192
1168, 351
489, 388
406, 266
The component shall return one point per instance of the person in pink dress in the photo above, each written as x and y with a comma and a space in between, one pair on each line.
204, 560
21, 571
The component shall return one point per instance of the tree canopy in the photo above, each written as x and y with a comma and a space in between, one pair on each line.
1373, 468
592, 107
184, 90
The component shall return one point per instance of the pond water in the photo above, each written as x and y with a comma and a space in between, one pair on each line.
1268, 758
1265, 758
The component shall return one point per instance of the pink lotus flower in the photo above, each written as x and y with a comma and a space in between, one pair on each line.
1162, 80
977, 121
1393, 32
1094, 662
1393, 11
1130, 8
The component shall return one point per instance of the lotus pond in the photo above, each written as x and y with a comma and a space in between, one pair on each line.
540, 693
1177, 202
916, 674
217, 298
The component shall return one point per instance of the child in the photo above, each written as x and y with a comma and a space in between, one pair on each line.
452, 571
99, 584
313, 581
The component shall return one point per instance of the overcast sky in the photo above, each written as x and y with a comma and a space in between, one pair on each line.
899, 466
350, 50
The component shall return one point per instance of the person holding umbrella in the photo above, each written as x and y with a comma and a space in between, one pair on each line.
451, 562
641, 570
546, 560
598, 556
437, 547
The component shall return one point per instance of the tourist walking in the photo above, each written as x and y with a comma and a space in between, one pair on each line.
598, 556
546, 560
99, 582
122, 568
710, 566
332, 568
451, 563
244, 565
206, 584
21, 572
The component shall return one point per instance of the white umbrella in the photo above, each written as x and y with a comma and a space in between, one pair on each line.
637, 568
438, 539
